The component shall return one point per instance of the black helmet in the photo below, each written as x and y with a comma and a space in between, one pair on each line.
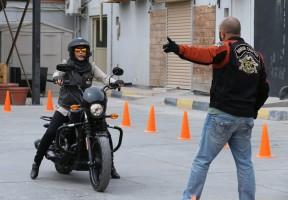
79, 41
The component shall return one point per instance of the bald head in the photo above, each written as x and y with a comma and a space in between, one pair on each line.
230, 27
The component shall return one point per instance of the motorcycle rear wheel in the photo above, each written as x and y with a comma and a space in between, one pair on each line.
63, 169
100, 174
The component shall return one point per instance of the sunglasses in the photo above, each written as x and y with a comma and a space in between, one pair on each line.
78, 50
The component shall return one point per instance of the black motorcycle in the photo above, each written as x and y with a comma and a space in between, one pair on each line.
83, 143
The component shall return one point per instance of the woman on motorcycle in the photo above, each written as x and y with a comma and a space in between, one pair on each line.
80, 77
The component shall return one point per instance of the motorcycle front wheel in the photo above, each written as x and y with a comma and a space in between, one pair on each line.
100, 173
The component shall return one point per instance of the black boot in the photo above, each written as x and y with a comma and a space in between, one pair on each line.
37, 143
34, 171
114, 174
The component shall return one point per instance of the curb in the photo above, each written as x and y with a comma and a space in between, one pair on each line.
263, 113
125, 95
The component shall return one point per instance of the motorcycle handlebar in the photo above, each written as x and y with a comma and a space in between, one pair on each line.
110, 86
50, 80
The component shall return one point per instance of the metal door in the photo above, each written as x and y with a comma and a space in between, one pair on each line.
270, 39
179, 28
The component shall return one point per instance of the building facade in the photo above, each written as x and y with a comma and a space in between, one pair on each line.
57, 29
134, 31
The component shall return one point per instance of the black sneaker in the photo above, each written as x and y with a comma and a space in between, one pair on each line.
34, 171
114, 174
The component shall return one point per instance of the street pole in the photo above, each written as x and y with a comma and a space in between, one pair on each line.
36, 53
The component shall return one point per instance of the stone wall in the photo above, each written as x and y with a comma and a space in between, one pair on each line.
204, 25
157, 39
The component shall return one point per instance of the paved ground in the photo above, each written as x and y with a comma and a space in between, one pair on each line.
152, 167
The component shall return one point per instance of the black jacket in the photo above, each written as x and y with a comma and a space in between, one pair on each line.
239, 85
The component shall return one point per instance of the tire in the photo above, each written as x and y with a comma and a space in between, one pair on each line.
101, 173
63, 169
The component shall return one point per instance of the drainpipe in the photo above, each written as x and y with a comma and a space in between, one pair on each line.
75, 27
111, 35
101, 21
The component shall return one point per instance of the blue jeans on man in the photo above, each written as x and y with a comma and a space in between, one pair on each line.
218, 130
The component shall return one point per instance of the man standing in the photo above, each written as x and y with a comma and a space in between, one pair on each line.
239, 88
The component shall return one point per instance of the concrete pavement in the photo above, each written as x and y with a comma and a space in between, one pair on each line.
152, 166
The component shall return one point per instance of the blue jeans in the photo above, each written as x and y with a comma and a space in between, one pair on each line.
218, 130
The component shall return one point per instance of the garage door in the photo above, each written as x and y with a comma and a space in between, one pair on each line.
179, 28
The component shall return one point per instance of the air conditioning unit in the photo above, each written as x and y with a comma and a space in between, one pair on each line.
72, 7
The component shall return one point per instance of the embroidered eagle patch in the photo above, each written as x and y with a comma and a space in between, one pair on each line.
248, 65
249, 60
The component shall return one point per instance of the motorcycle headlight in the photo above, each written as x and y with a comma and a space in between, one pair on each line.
96, 109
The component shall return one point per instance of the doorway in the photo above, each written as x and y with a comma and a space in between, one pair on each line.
99, 42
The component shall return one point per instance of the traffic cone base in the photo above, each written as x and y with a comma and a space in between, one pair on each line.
183, 139
151, 124
270, 156
126, 116
7, 104
146, 131
185, 131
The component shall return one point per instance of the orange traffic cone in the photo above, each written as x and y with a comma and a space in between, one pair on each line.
151, 125
193, 197
264, 151
185, 132
7, 104
49, 106
226, 146
126, 116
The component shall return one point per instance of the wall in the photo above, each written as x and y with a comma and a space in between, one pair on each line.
204, 23
244, 11
157, 39
131, 50
50, 12
208, 16
54, 42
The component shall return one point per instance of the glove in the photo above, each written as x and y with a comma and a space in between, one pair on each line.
117, 83
171, 46
58, 81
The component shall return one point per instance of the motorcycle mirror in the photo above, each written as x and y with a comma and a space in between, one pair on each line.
118, 71
64, 67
